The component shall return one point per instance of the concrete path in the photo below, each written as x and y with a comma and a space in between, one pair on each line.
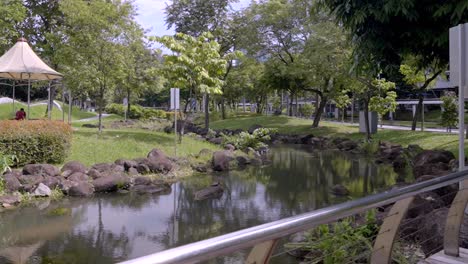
406, 128
94, 118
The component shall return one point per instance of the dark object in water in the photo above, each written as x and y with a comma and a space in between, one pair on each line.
216, 190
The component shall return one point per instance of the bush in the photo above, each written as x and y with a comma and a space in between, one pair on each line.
136, 111
307, 110
170, 116
255, 140
40, 141
449, 117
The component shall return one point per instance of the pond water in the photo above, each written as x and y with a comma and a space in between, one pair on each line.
111, 228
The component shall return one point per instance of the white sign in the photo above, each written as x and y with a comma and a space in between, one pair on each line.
459, 56
175, 98
125, 101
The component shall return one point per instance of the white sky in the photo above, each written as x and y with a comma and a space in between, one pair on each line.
151, 15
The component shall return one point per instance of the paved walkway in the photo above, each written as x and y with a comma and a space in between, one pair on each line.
92, 118
407, 128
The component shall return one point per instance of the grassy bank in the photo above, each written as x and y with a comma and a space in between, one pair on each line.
90, 147
288, 125
39, 112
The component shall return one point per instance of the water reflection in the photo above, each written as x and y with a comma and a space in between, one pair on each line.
111, 228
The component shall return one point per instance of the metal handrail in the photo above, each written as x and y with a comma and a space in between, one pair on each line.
225, 244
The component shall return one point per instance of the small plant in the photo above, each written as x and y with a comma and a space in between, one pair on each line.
307, 110
255, 140
340, 242
449, 117
59, 211
370, 147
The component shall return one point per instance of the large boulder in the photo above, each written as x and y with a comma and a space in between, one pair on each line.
9, 200
65, 185
103, 167
157, 161
12, 183
111, 183
42, 191
41, 169
94, 174
438, 168
78, 177
216, 190
347, 145
221, 160
30, 179
142, 180
74, 166
432, 157
127, 164
339, 190
143, 169
82, 189
51, 182
216, 141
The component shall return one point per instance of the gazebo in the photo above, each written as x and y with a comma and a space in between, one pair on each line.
20, 63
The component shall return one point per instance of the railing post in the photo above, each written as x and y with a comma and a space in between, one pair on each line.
453, 224
383, 246
261, 253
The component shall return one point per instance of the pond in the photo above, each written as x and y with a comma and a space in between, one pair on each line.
111, 228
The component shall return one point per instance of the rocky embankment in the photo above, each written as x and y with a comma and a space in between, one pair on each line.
149, 175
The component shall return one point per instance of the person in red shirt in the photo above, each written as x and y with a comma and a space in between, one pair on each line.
21, 114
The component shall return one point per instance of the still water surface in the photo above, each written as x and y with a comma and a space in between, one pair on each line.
111, 228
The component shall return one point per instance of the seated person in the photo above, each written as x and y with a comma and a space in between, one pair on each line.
21, 114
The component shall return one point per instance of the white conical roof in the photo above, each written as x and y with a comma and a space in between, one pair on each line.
21, 63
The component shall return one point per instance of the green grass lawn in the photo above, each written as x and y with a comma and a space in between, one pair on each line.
288, 125
39, 111
90, 147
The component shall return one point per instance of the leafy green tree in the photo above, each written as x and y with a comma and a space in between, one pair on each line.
342, 101
449, 117
12, 14
384, 32
196, 65
373, 92
420, 80
92, 50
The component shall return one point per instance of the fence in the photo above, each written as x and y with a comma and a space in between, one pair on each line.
402, 225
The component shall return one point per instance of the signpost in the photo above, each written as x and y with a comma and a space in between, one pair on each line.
175, 105
125, 104
458, 77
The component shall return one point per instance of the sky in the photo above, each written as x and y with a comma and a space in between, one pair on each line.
151, 15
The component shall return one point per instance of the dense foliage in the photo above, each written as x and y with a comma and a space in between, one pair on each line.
449, 117
136, 111
35, 141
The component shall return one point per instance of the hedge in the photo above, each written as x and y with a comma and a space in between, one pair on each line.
136, 111
38, 141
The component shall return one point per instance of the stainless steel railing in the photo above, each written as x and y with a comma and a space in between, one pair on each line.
263, 237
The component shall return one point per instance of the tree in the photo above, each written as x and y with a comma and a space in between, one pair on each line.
384, 32
449, 117
12, 13
420, 79
196, 65
342, 101
93, 34
371, 93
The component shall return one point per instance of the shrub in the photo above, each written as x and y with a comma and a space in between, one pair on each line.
170, 116
40, 141
136, 111
449, 117
255, 140
307, 110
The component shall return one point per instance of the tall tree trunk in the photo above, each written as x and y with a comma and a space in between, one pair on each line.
319, 111
366, 119
100, 103
291, 101
50, 101
128, 102
207, 111
418, 111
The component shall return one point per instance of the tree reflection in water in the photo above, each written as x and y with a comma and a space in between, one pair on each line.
111, 228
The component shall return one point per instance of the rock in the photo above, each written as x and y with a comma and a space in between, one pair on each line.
253, 128
216, 141
151, 189
78, 177
424, 203
10, 199
42, 191
157, 161
200, 167
41, 169
339, 190
82, 189
347, 145
12, 183
221, 160
111, 183
143, 169
307, 140
102, 167
431, 169
30, 179
67, 173
242, 161
94, 174
229, 147
432, 157
65, 185
142, 180
216, 190
91, 125
132, 171
74, 166
126, 164
51, 182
